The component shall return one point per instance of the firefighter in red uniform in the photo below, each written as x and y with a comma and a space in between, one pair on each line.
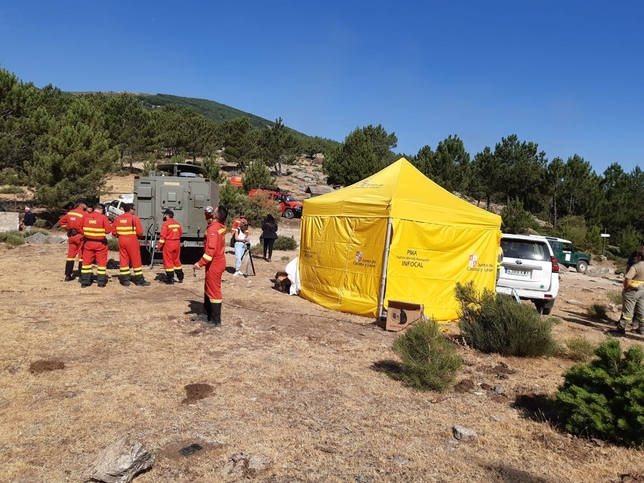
215, 262
72, 221
95, 228
238, 221
170, 243
128, 229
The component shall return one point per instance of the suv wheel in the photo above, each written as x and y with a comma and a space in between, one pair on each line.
582, 266
288, 213
544, 307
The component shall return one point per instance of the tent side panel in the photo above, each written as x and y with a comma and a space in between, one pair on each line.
341, 262
426, 261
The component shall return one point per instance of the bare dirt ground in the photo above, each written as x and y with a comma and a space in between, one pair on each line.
305, 386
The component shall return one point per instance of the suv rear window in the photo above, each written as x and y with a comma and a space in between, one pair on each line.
525, 249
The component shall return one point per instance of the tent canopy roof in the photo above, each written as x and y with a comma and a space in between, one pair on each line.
400, 191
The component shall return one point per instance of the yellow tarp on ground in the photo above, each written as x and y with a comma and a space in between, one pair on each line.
436, 239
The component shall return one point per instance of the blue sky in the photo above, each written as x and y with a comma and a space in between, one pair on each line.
567, 75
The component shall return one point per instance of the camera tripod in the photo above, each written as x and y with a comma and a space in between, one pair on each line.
248, 260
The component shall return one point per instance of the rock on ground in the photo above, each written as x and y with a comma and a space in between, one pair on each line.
120, 462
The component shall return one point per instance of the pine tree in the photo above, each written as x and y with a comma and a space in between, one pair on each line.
277, 145
364, 152
75, 157
605, 398
257, 175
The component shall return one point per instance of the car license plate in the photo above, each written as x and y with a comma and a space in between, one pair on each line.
517, 273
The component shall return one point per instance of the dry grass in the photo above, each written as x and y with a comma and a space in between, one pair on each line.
291, 380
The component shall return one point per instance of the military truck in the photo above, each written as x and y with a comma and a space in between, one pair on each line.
183, 189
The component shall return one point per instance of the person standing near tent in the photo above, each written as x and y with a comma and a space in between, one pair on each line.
170, 243
633, 297
241, 241
269, 235
214, 261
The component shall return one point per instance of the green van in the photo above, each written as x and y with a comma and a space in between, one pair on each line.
566, 255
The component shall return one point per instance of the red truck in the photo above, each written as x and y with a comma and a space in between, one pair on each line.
289, 207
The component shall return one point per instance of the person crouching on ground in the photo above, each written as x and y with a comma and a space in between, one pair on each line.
214, 260
241, 239
95, 228
128, 229
170, 243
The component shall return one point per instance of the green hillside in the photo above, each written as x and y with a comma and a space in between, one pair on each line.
210, 109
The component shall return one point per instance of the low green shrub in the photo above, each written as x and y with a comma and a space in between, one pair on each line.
620, 265
597, 311
13, 240
285, 243
5, 234
605, 398
257, 250
579, 349
615, 296
40, 223
113, 244
498, 324
429, 360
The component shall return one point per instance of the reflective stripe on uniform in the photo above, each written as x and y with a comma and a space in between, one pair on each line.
94, 231
207, 257
125, 231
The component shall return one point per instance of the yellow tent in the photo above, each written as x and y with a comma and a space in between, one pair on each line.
396, 235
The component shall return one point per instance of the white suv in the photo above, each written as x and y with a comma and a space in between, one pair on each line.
115, 208
530, 269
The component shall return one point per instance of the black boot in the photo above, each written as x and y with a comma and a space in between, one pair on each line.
69, 270
216, 315
124, 280
85, 278
140, 281
207, 308
179, 273
169, 277
80, 270
101, 279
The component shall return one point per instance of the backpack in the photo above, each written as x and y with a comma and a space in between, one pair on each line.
232, 241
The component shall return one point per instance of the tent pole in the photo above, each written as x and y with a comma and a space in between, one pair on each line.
383, 278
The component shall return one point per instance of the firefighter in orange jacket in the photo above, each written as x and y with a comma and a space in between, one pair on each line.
95, 228
170, 243
72, 221
214, 260
128, 229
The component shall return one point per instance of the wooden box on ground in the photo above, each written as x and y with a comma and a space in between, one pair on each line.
401, 314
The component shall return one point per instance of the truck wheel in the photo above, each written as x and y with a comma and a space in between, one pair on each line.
288, 213
544, 307
582, 266
145, 256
